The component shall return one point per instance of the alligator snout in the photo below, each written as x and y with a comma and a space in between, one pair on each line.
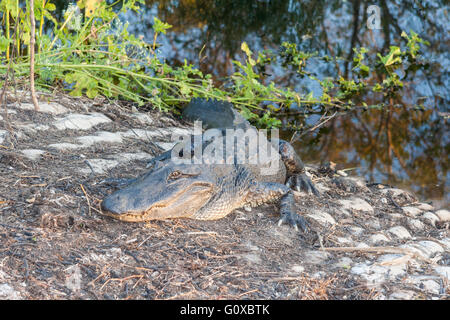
112, 203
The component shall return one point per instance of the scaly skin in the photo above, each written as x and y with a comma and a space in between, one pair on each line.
211, 191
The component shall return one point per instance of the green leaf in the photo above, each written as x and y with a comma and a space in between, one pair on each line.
92, 93
392, 57
309, 96
185, 90
50, 6
159, 26
4, 42
247, 51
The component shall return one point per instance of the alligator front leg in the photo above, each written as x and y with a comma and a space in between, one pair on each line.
297, 179
264, 192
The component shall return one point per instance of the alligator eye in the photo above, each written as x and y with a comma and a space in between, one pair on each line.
174, 175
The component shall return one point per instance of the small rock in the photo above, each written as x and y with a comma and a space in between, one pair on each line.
412, 211
64, 146
344, 262
252, 258
431, 286
377, 238
321, 187
443, 271
8, 293
33, 127
322, 217
396, 216
33, 154
316, 257
402, 295
427, 248
425, 206
81, 121
359, 181
142, 118
351, 184
298, 269
373, 224
356, 231
444, 215
356, 204
362, 245
375, 273
400, 196
343, 240
430, 218
51, 108
141, 134
397, 263
11, 111
415, 224
319, 275
446, 243
100, 137
428, 283
175, 132
127, 157
400, 232
250, 246
3, 135
4, 276
114, 252
99, 166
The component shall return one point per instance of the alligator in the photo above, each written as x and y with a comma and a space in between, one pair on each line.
209, 190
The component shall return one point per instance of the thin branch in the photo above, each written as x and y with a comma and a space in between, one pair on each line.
32, 42
9, 71
297, 136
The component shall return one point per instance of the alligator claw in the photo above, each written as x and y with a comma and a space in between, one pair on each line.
301, 182
294, 220
289, 214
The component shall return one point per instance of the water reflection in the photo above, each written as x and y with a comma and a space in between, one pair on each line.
398, 147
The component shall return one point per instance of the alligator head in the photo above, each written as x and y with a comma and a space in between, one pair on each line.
168, 191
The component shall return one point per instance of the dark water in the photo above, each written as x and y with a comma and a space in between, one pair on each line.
397, 146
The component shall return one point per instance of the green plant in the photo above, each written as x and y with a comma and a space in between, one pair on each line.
95, 54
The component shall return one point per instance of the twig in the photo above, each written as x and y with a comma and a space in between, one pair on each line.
145, 240
87, 199
393, 201
32, 43
209, 233
140, 276
295, 137
25, 265
248, 292
91, 283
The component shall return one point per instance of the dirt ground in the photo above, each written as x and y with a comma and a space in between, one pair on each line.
55, 244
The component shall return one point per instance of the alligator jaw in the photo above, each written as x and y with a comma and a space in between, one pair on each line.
182, 204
